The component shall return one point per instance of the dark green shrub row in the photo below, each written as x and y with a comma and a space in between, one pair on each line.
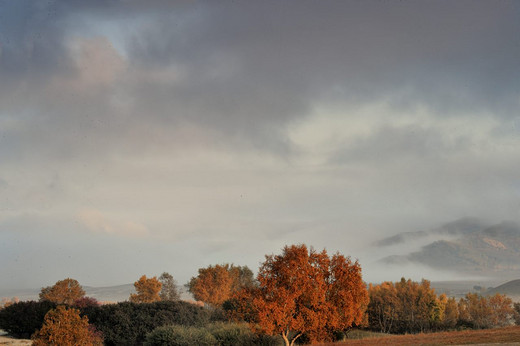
216, 334
22, 319
128, 323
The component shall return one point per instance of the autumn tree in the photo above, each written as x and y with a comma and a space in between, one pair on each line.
147, 290
63, 292
65, 327
451, 313
383, 306
486, 312
406, 306
304, 291
502, 310
169, 287
216, 284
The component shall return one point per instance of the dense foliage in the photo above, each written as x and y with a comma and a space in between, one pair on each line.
147, 289
216, 334
128, 323
409, 307
63, 292
65, 327
22, 319
304, 293
216, 284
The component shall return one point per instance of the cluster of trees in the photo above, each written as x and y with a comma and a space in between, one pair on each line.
300, 295
409, 307
151, 290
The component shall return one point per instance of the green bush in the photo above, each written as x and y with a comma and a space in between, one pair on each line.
221, 334
22, 319
180, 336
128, 323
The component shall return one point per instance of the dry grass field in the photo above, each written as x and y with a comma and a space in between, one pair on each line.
5, 340
507, 335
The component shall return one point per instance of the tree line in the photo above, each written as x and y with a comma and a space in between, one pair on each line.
298, 296
410, 307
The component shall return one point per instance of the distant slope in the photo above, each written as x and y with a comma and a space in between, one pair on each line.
111, 294
511, 289
458, 227
475, 249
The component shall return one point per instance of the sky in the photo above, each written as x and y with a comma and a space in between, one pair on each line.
138, 137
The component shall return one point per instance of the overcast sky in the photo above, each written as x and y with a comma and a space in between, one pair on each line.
138, 137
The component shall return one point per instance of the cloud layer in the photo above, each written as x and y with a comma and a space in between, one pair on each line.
233, 128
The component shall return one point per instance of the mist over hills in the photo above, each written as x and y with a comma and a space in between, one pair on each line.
466, 246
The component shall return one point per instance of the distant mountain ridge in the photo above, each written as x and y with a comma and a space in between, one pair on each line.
116, 293
510, 288
458, 227
466, 245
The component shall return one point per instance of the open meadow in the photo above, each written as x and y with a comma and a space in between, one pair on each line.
506, 335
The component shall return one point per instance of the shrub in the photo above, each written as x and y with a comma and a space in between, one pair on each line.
221, 334
65, 327
84, 302
128, 323
180, 336
230, 334
22, 319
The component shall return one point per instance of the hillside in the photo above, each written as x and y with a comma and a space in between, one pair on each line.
465, 246
510, 288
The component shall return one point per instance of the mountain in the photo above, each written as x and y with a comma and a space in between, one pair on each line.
510, 288
466, 245
459, 227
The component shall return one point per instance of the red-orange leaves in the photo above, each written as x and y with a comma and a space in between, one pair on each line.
302, 291
216, 284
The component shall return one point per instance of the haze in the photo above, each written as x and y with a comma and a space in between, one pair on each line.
141, 137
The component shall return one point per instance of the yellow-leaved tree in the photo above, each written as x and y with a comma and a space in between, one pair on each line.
63, 292
65, 327
147, 289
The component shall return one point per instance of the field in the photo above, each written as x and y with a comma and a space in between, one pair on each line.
5, 340
507, 335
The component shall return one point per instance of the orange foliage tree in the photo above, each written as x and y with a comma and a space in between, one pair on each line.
216, 284
63, 292
147, 290
304, 291
486, 312
66, 327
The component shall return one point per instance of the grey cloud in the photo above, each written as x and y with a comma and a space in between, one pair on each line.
390, 143
251, 69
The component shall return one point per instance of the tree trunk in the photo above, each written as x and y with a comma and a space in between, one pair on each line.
294, 339
285, 339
